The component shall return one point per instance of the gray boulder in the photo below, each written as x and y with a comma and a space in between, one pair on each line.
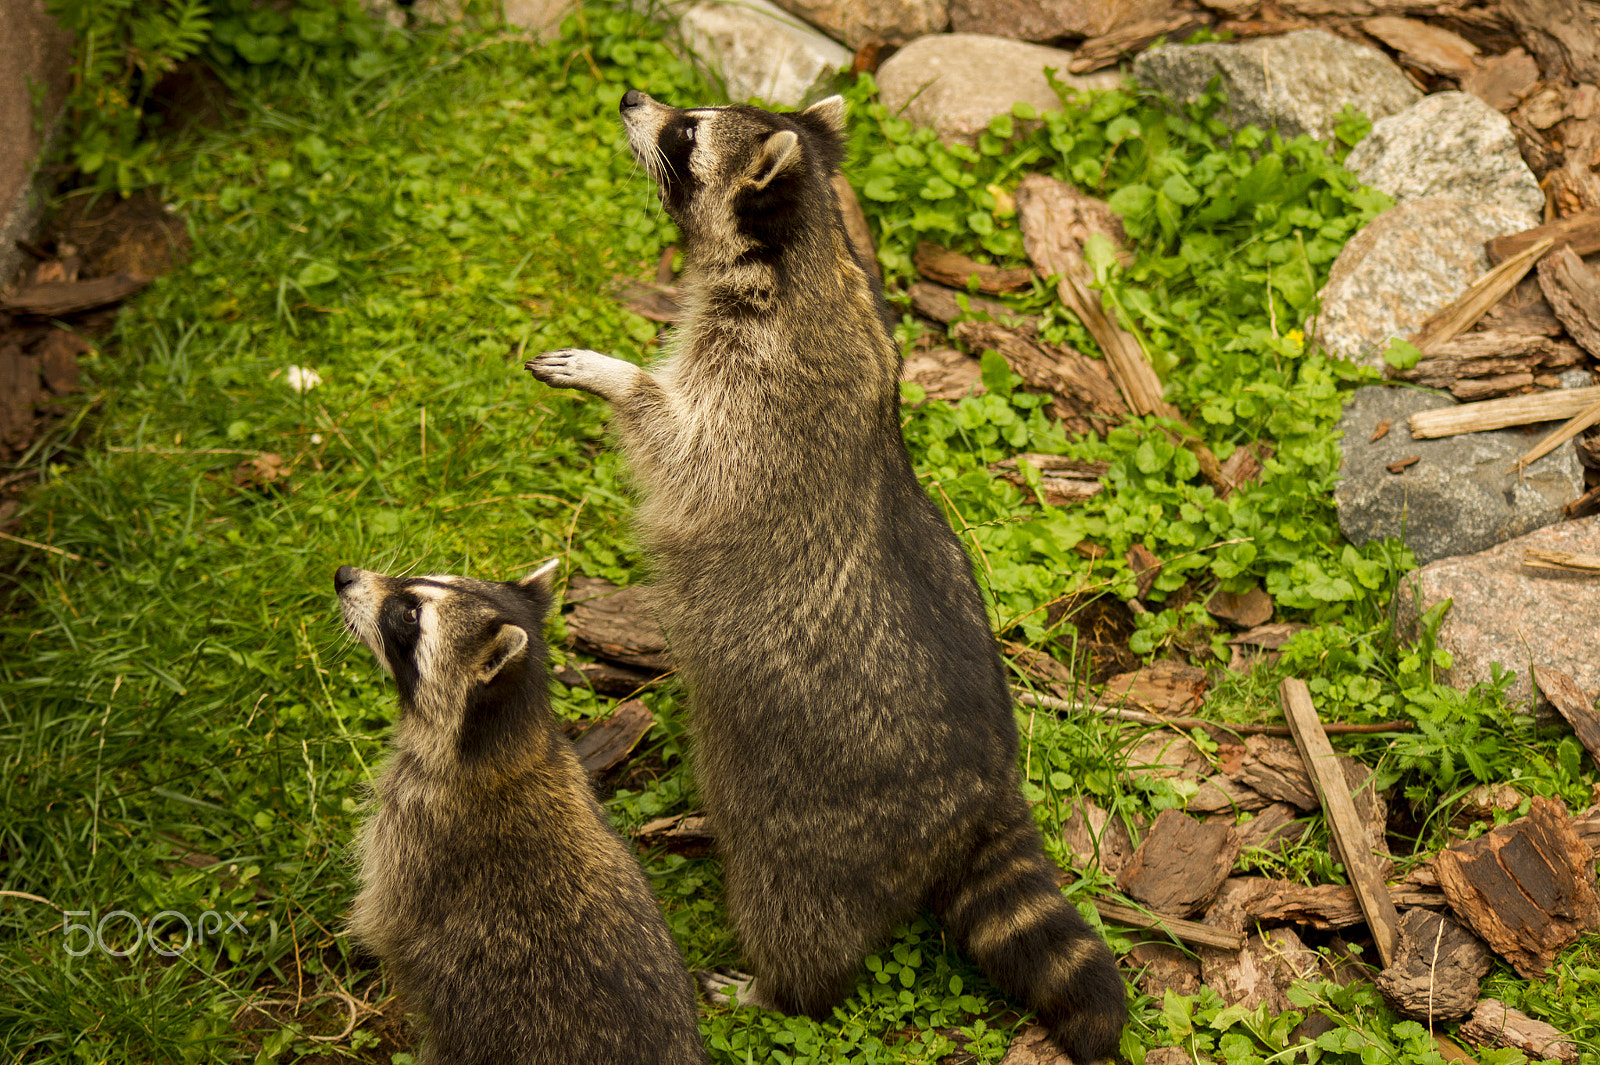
1506, 613
855, 22
957, 82
1457, 498
1451, 144
1402, 267
758, 49
1297, 83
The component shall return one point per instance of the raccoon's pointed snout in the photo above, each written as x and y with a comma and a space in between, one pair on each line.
632, 98
344, 577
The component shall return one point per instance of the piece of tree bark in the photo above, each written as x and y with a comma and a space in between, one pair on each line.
1322, 906
650, 299
1185, 931
1430, 48
1180, 864
1262, 972
615, 623
1580, 232
1108, 49
1051, 213
952, 268
1146, 568
607, 743
1164, 686
1502, 81
19, 393
1033, 1046
1273, 829
1221, 793
1527, 887
1096, 838
1345, 825
1477, 389
1243, 609
1501, 413
55, 299
943, 304
1560, 36
1080, 385
1573, 291
855, 224
1493, 1023
1437, 968
1489, 353
1573, 703
1560, 561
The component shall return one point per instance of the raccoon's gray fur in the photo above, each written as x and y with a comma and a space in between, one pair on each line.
500, 901
856, 746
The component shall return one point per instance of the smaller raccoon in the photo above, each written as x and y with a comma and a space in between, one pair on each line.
496, 895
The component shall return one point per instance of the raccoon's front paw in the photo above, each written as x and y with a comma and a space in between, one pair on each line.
589, 371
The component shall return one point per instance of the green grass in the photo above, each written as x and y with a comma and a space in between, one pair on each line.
408, 228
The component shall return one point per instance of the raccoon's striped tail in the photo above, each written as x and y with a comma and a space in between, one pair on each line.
1007, 913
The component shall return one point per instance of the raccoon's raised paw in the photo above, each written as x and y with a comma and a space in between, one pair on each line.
582, 369
727, 987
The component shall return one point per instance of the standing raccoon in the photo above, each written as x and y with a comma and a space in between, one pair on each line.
501, 902
856, 746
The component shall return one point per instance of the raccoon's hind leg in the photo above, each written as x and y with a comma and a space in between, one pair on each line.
1005, 910
803, 940
588, 371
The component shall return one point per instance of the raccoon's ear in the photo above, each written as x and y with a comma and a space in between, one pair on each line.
506, 646
829, 113
542, 578
780, 152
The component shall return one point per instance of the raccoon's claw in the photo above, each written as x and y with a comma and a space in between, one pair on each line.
579, 368
729, 987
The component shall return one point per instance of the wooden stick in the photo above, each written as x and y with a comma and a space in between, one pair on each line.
47, 547
1561, 561
1140, 717
1344, 824
1557, 405
1176, 927
1459, 316
1578, 424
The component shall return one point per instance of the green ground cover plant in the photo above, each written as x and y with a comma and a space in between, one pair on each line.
184, 728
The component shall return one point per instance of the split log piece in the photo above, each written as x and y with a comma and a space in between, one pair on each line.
943, 305
55, 299
1581, 421
1502, 413
1429, 48
1579, 232
1345, 825
1526, 887
1560, 36
1459, 316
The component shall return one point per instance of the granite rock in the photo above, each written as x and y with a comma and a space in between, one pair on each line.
760, 50
1517, 617
1297, 83
957, 82
856, 22
1458, 498
1403, 266
1451, 144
